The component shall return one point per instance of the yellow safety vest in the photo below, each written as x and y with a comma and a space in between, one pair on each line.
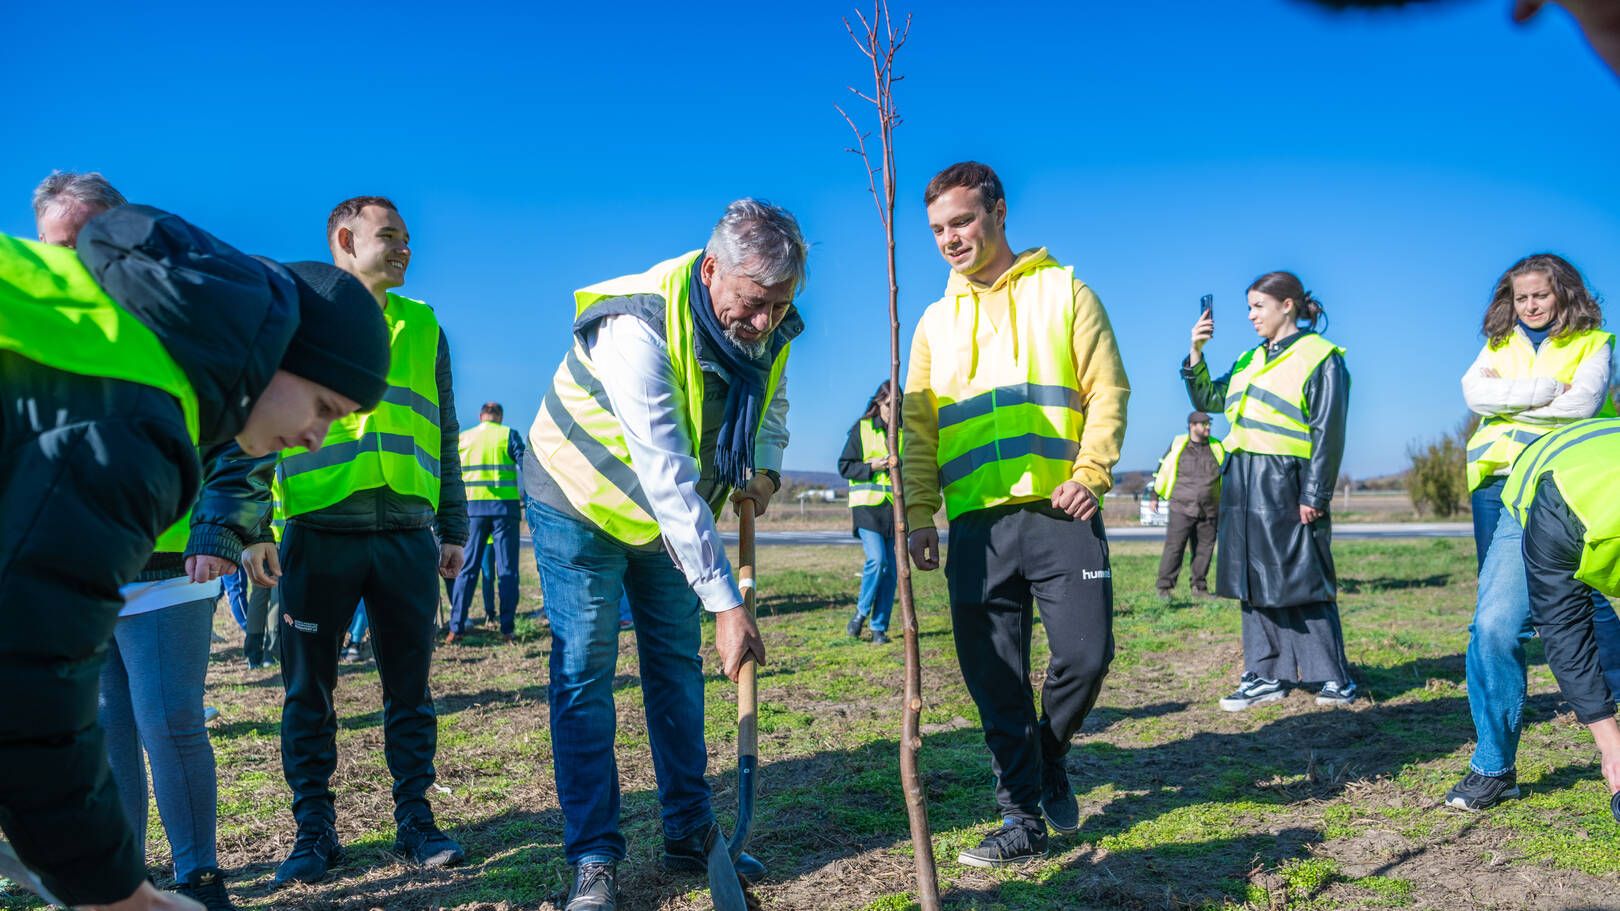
1010, 413
1500, 438
1582, 459
1164, 479
487, 468
1265, 398
394, 446
878, 490
577, 437
53, 313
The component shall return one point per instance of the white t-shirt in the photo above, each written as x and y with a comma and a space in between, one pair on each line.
142, 597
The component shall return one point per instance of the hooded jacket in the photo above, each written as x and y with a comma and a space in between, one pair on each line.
94, 470
1104, 389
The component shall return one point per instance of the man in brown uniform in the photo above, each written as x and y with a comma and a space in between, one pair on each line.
1189, 477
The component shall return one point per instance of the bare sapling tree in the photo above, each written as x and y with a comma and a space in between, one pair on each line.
878, 40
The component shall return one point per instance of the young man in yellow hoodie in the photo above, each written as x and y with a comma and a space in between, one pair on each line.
1014, 411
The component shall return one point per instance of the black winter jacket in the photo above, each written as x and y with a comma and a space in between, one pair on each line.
231, 509
852, 466
1267, 558
383, 509
91, 472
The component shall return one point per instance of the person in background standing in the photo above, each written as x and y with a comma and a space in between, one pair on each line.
1189, 481
490, 455
866, 464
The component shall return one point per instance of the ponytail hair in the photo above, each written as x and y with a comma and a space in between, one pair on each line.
1287, 286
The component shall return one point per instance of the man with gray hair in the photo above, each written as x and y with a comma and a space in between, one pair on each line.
671, 400
64, 201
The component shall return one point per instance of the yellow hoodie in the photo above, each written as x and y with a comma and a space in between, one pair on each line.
1104, 388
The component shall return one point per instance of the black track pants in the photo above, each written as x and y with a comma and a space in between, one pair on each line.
326, 575
1000, 562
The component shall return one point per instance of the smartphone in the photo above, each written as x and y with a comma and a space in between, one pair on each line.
1206, 304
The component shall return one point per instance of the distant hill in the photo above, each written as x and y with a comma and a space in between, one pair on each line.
812, 479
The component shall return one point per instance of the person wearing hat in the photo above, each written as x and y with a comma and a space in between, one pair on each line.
151, 704
1189, 479
113, 376
377, 514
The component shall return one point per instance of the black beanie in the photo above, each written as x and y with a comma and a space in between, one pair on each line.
342, 339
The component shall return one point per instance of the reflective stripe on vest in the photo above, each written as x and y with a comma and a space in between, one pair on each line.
878, 490
576, 436
394, 446
53, 313
1500, 438
1164, 479
1010, 414
487, 469
1582, 459
1265, 399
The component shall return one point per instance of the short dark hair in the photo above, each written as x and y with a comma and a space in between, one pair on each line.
966, 174
350, 208
492, 408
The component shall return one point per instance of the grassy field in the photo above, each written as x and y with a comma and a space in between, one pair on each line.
1183, 806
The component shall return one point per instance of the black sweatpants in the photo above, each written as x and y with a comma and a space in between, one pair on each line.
1002, 560
1561, 605
325, 576
1184, 529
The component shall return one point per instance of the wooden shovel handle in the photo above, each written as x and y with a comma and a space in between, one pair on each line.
747, 687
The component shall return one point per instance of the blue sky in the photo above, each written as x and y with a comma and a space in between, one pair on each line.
1398, 163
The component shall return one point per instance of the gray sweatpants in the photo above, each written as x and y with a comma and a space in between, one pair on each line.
1302, 643
152, 696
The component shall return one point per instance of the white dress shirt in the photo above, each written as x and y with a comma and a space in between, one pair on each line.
632, 360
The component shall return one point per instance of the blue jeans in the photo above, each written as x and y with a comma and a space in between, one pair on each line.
1496, 663
878, 579
1486, 505
152, 704
503, 530
583, 575
358, 626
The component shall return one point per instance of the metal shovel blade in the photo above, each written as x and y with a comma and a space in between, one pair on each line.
724, 887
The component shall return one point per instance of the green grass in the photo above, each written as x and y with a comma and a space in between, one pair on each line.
1182, 805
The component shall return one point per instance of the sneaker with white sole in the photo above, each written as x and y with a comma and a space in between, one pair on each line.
1476, 791
1339, 694
1013, 843
1253, 690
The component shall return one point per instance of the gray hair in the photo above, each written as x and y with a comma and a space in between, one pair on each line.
761, 241
63, 188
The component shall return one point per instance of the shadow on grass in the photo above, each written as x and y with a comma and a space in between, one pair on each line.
1352, 586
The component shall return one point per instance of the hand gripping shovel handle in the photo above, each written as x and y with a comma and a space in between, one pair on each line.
747, 690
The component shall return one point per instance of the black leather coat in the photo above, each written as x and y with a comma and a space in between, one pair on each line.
1266, 556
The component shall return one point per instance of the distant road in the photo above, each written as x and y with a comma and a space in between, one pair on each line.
1348, 531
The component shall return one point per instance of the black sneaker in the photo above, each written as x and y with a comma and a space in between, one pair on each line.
686, 855
1013, 843
1058, 802
1335, 693
1614, 805
595, 888
207, 888
853, 628
880, 637
1476, 791
1253, 690
420, 840
314, 852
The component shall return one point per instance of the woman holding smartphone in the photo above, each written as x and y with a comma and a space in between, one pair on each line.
1286, 400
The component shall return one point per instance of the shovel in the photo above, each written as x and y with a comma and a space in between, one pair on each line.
725, 887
